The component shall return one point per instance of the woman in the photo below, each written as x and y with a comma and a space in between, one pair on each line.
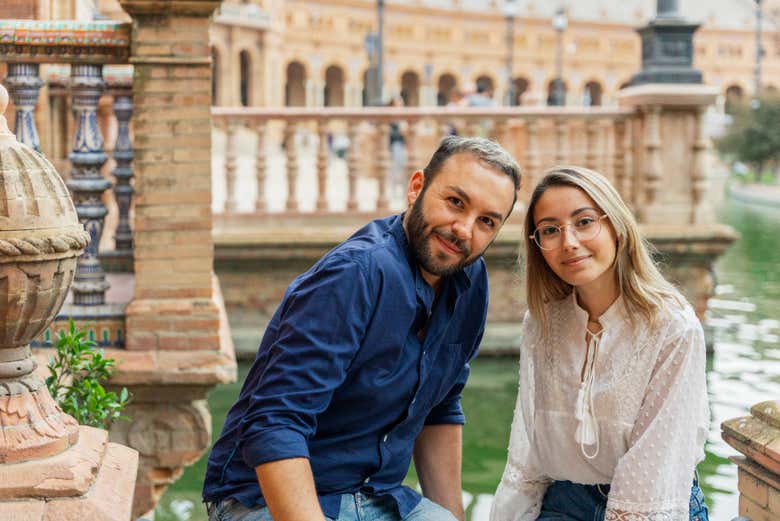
611, 414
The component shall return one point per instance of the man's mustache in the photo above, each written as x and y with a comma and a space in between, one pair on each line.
450, 237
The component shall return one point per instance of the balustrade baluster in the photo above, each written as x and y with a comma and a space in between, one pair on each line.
231, 164
383, 162
353, 164
123, 155
87, 184
591, 143
533, 156
652, 179
322, 164
260, 167
23, 84
412, 149
561, 133
290, 131
619, 159
699, 182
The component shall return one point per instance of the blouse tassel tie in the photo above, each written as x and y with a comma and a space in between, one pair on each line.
587, 426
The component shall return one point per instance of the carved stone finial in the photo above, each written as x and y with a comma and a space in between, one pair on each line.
4, 130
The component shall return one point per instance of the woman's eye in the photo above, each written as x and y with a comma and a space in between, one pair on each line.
585, 221
549, 230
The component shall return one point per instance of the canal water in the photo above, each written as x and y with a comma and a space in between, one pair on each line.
744, 368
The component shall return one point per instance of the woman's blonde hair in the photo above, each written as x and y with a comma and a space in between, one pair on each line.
644, 289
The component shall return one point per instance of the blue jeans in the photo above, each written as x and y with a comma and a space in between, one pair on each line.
567, 501
354, 507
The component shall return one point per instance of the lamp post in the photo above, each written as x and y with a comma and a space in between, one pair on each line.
510, 12
759, 54
559, 23
380, 51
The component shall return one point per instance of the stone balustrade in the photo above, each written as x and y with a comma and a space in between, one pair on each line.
539, 137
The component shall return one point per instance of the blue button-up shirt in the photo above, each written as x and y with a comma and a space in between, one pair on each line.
342, 378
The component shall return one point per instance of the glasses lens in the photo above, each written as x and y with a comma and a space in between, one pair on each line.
548, 236
587, 226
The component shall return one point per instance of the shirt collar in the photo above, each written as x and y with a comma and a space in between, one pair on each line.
614, 313
461, 279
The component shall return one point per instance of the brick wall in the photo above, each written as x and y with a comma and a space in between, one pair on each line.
19, 9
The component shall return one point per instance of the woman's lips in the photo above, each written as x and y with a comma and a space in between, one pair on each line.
576, 261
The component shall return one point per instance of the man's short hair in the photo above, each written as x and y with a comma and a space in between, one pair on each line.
484, 150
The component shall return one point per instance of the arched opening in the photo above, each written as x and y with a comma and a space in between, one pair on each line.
245, 66
734, 97
552, 97
334, 87
410, 89
591, 94
485, 85
520, 86
214, 75
294, 88
447, 87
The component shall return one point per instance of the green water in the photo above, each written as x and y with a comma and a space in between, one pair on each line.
744, 369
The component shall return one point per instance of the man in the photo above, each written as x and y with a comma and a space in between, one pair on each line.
363, 363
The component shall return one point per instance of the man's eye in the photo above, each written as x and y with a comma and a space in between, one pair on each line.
454, 200
488, 222
549, 230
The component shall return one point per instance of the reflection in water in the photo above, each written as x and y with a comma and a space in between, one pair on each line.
743, 370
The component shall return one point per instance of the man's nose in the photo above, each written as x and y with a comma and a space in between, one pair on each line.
463, 228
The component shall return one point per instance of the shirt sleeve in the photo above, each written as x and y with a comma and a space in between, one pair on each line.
450, 410
521, 490
321, 327
653, 479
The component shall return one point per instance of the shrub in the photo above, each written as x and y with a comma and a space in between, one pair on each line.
76, 376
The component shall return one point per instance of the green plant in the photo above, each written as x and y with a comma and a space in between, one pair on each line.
76, 376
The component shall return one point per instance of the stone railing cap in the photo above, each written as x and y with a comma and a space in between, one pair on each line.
64, 41
668, 94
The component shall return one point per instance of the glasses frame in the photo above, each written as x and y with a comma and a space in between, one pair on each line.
561, 228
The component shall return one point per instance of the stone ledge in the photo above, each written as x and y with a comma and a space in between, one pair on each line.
69, 473
755, 439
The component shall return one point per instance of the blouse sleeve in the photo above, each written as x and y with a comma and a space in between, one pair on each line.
522, 487
653, 479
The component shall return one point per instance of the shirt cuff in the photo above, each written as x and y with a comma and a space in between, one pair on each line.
274, 445
447, 413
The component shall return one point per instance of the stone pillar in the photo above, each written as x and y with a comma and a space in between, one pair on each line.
123, 155
757, 437
24, 83
50, 467
670, 183
177, 342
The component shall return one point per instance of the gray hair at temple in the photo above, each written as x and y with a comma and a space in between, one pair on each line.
484, 150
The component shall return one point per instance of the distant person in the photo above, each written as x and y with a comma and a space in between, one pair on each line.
397, 151
362, 366
611, 415
481, 98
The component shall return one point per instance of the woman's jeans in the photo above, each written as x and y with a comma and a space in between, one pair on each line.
567, 501
354, 507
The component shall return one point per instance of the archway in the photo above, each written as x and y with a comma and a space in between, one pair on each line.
410, 89
294, 88
591, 94
334, 86
245, 66
447, 86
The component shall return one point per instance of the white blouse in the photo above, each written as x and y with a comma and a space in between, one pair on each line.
636, 417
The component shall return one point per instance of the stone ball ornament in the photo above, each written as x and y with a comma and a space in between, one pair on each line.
40, 241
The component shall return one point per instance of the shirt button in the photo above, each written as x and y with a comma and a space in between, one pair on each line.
414, 400
384, 439
367, 479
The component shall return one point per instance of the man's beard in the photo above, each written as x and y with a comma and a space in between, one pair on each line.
419, 241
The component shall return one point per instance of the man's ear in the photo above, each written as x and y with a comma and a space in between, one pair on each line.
415, 187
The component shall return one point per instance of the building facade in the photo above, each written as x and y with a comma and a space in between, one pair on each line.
311, 53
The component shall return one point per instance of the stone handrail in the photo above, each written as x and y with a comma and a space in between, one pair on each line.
539, 137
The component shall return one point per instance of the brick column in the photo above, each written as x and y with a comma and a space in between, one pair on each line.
173, 306
177, 338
